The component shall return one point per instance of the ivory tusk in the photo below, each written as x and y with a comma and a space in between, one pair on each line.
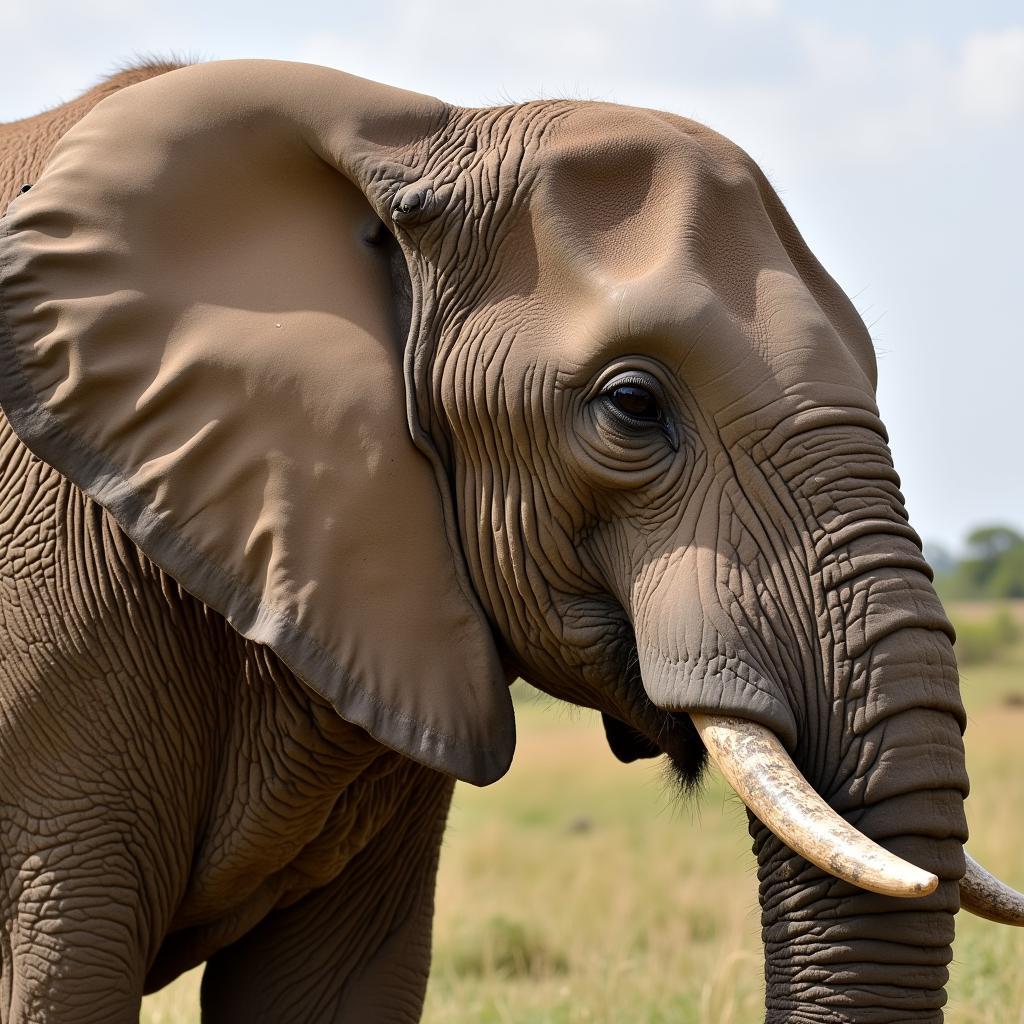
757, 766
983, 894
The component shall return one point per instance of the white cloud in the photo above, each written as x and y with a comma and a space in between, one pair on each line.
736, 10
35, 14
990, 81
803, 95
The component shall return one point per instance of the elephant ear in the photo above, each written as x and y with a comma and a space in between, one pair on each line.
199, 329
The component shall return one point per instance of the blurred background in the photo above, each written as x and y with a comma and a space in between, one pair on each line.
578, 889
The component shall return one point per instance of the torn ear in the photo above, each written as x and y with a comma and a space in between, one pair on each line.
200, 331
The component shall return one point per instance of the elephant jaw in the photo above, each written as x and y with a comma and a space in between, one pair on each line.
764, 776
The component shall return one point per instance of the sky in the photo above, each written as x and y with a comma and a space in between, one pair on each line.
894, 132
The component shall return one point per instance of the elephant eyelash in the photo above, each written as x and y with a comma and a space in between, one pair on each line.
662, 421
634, 380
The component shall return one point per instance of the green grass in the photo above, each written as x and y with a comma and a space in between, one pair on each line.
580, 891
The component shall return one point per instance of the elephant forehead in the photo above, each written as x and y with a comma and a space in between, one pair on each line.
655, 233
619, 193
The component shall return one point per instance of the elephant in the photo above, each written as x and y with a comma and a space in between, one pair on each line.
329, 410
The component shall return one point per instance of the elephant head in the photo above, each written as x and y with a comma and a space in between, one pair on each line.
422, 397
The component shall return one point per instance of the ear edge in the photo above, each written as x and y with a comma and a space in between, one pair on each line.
98, 478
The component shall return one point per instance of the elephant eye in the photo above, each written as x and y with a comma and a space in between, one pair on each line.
634, 399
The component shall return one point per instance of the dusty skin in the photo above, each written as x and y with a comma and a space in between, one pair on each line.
330, 408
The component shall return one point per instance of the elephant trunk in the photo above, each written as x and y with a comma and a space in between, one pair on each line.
805, 639
861, 653
895, 772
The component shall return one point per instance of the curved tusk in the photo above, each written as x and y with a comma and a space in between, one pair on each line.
983, 894
757, 766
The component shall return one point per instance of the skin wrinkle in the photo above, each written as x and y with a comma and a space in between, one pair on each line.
783, 549
295, 985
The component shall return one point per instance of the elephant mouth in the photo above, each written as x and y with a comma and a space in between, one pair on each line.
647, 731
626, 743
678, 740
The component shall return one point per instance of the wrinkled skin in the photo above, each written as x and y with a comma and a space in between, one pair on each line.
745, 550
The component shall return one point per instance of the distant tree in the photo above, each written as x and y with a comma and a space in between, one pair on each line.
992, 542
993, 566
1008, 579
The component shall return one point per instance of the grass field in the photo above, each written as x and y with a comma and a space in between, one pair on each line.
581, 891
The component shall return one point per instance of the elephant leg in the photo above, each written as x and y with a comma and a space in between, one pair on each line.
356, 950
93, 859
71, 941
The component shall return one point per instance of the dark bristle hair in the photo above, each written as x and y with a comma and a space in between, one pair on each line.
688, 774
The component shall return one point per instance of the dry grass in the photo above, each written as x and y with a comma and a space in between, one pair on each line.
972, 611
646, 912
578, 891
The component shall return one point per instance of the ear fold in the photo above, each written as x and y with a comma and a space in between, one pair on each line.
199, 330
